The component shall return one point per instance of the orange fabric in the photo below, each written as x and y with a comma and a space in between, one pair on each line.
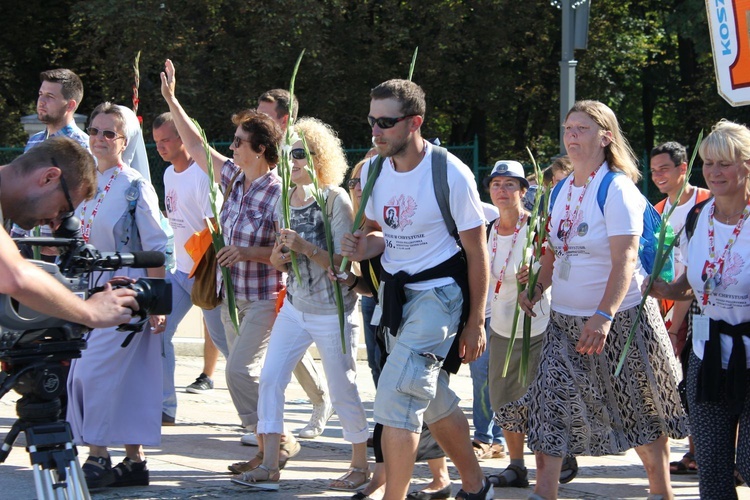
196, 247
280, 299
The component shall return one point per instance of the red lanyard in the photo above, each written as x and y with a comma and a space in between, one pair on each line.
567, 222
86, 232
715, 266
516, 230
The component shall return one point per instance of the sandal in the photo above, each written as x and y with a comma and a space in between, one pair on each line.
520, 481
352, 485
481, 450
98, 472
686, 465
569, 469
290, 448
252, 480
253, 463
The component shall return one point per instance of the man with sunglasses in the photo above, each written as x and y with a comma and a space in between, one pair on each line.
41, 187
422, 298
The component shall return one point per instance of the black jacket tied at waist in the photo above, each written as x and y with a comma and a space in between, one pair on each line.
394, 298
709, 374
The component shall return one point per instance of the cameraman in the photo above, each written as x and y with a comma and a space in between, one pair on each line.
41, 187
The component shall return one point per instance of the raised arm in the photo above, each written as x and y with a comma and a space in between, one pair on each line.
189, 133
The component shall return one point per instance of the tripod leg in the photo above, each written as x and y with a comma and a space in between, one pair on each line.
77, 480
42, 481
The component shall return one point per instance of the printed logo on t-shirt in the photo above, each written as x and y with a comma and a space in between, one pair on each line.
398, 212
170, 201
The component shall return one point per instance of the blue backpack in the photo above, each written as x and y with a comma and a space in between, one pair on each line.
651, 222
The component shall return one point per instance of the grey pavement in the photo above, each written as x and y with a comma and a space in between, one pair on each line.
193, 457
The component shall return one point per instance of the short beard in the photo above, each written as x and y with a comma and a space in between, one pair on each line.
49, 119
396, 149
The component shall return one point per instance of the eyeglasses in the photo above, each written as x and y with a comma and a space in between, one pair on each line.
299, 153
110, 135
352, 183
239, 140
385, 122
64, 187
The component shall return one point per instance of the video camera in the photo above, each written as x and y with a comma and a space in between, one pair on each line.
34, 346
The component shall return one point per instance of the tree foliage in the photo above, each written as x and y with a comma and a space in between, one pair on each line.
490, 67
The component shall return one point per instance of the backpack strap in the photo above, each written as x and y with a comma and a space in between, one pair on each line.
702, 195
555, 191
601, 194
442, 191
332, 195
692, 218
660, 206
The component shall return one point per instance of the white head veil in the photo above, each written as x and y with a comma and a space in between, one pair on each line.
135, 151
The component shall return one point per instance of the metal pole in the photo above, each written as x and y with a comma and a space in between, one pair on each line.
567, 67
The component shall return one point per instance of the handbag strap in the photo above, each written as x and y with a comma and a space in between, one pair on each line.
230, 187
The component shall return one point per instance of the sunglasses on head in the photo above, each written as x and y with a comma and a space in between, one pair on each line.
299, 153
352, 183
110, 135
385, 122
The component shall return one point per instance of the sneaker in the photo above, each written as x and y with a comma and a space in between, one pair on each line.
166, 419
98, 472
249, 439
201, 385
320, 415
129, 473
487, 493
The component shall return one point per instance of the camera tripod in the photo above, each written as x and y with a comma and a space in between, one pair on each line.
49, 441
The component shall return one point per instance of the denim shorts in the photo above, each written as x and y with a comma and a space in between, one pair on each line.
412, 387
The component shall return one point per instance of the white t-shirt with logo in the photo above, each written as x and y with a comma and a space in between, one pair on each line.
187, 203
404, 205
503, 304
730, 300
677, 221
589, 250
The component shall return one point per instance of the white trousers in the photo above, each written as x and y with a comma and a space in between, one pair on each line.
293, 332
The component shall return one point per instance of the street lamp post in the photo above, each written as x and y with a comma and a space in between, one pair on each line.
575, 19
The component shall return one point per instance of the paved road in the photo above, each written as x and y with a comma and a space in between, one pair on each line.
194, 454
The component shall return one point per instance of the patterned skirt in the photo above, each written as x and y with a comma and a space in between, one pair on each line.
576, 405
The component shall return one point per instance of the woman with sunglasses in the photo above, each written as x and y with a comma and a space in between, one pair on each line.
309, 313
114, 392
252, 189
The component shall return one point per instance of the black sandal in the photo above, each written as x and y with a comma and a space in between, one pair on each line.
681, 468
521, 480
569, 469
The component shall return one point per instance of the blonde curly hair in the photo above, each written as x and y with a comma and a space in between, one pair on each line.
322, 140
